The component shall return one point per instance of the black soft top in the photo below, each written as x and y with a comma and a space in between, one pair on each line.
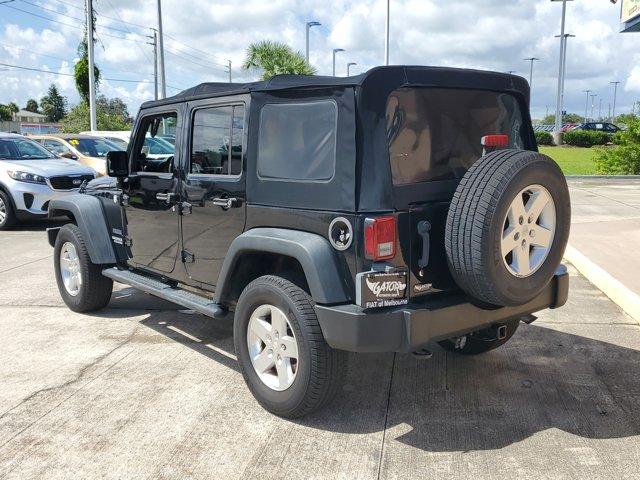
374, 79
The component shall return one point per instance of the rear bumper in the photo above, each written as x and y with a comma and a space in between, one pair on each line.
412, 326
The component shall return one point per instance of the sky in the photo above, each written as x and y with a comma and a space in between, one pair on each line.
200, 37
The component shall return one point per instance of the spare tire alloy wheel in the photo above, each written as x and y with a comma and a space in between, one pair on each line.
529, 228
273, 348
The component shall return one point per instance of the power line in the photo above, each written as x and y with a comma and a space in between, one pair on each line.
32, 69
144, 52
192, 48
208, 67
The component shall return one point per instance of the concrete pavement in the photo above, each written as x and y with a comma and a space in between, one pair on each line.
606, 230
143, 390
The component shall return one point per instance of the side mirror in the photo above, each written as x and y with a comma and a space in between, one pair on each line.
117, 164
68, 155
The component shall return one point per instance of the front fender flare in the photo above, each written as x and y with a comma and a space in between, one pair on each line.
89, 215
319, 262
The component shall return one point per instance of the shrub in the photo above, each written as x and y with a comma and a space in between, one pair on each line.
624, 158
586, 138
544, 138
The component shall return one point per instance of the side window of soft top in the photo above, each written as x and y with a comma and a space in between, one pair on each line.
153, 152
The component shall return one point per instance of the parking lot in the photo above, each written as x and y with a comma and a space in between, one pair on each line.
144, 390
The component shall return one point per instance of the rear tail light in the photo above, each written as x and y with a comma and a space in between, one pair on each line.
495, 141
380, 238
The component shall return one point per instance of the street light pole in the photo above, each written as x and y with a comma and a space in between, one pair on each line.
615, 94
309, 25
349, 65
229, 68
163, 84
531, 59
600, 110
92, 80
558, 124
336, 50
387, 33
593, 105
586, 108
565, 37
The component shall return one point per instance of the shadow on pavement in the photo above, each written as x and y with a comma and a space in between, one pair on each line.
543, 379
38, 225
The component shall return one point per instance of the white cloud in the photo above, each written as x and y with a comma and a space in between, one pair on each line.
491, 34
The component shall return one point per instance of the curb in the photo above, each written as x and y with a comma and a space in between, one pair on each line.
622, 296
602, 177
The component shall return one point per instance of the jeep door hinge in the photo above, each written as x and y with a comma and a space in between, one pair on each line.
188, 257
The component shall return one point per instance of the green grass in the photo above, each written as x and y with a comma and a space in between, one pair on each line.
573, 160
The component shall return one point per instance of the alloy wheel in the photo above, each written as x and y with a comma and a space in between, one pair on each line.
528, 231
70, 269
273, 348
3, 211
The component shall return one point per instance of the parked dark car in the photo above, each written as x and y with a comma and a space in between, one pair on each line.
399, 210
599, 127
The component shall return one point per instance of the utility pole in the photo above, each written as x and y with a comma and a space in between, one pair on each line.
586, 108
92, 77
163, 82
531, 59
387, 33
229, 69
349, 65
336, 50
309, 25
615, 94
558, 124
154, 37
593, 105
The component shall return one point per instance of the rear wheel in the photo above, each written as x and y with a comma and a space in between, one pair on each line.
284, 358
7, 215
80, 282
482, 341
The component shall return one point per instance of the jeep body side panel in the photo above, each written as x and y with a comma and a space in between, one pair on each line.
318, 259
90, 218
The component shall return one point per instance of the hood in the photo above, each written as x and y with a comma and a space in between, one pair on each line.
48, 168
102, 183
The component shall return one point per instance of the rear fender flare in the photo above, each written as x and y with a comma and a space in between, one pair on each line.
314, 253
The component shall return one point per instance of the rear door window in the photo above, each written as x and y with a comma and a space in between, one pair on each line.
435, 133
297, 141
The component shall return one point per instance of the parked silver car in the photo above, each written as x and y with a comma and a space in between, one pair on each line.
31, 176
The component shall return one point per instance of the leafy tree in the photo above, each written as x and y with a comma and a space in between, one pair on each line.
81, 72
567, 118
32, 106
275, 58
54, 105
77, 120
114, 106
13, 107
624, 158
5, 113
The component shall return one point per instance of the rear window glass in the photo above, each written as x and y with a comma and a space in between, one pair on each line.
434, 133
298, 141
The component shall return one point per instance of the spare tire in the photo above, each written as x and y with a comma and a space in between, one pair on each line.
508, 226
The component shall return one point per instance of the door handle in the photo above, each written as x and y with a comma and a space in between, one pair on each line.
165, 197
225, 203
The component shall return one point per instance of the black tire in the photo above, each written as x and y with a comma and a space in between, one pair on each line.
481, 342
320, 369
95, 289
476, 219
10, 215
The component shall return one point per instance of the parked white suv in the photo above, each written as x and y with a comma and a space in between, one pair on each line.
30, 176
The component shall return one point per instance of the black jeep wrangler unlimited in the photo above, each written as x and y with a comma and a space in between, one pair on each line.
387, 212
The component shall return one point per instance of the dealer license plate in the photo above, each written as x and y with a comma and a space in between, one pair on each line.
381, 289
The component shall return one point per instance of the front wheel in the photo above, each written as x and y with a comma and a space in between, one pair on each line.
7, 214
80, 282
284, 359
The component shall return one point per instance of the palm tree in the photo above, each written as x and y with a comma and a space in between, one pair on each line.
276, 58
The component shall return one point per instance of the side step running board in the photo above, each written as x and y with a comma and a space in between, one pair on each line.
155, 287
